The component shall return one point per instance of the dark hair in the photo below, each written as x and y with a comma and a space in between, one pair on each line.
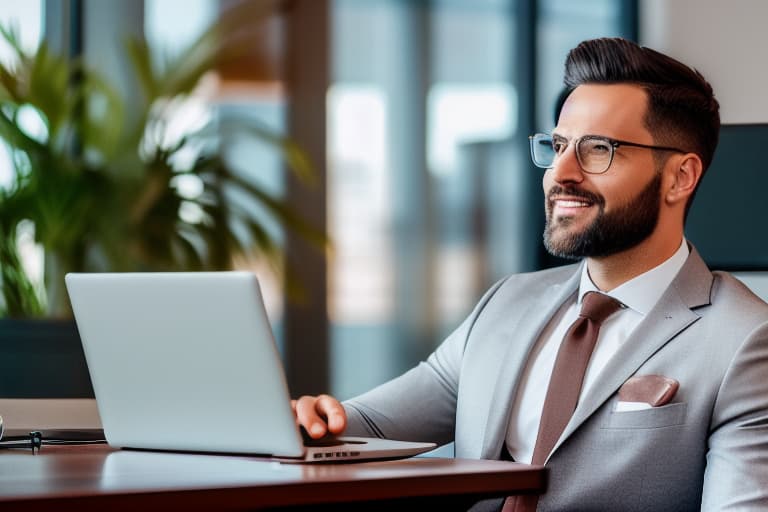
682, 109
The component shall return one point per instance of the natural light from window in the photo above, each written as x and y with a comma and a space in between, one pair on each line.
26, 20
461, 113
358, 208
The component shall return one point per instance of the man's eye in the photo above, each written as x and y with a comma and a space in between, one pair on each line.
559, 146
599, 147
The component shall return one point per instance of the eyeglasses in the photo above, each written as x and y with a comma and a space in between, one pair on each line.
33, 440
37, 438
593, 152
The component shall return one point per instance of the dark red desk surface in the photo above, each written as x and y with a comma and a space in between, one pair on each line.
98, 477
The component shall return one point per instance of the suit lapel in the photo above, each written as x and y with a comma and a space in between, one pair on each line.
538, 311
671, 316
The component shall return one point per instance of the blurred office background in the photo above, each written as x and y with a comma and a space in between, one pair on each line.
416, 115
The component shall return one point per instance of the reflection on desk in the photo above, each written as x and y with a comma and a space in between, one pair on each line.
98, 477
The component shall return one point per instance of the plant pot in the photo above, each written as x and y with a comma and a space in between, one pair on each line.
42, 359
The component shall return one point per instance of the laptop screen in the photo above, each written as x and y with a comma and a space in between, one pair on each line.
184, 361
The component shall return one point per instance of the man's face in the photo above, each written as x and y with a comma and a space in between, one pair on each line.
597, 215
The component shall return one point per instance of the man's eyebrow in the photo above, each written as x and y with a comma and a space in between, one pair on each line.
585, 136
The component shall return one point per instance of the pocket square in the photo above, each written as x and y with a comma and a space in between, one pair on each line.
622, 406
654, 390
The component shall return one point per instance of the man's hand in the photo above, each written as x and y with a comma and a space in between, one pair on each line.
319, 415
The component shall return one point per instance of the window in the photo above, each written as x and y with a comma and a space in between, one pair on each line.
171, 25
427, 181
26, 20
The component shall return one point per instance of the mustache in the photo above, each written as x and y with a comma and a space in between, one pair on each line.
558, 190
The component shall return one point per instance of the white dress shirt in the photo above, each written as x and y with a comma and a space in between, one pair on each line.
639, 294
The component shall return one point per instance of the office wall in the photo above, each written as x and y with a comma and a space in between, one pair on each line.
726, 41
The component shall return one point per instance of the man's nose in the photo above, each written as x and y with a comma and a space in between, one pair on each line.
567, 168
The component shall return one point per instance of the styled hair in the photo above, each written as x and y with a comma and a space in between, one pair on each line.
682, 110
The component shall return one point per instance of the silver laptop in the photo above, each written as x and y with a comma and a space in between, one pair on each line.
187, 362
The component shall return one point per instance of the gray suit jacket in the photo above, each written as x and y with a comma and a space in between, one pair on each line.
707, 449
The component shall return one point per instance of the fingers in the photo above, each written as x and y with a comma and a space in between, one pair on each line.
307, 416
320, 414
334, 413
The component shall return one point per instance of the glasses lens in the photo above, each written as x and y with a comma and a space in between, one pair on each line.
542, 153
595, 154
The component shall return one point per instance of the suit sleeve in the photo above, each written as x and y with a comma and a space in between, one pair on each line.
420, 405
736, 476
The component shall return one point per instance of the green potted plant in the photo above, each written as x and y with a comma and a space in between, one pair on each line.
104, 186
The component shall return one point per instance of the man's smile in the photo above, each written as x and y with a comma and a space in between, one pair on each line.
568, 206
568, 202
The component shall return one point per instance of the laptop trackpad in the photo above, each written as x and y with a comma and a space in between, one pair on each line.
326, 440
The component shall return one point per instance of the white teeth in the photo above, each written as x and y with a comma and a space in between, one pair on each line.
571, 204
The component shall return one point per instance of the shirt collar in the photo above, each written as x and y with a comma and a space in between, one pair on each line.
641, 293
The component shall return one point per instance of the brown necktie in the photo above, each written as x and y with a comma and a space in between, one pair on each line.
565, 384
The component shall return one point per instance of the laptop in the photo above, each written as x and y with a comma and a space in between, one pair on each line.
186, 361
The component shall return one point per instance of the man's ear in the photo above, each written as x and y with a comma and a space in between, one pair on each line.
686, 174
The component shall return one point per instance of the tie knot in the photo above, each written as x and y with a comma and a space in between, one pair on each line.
598, 306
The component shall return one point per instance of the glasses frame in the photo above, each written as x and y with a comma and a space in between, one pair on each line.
613, 143
36, 439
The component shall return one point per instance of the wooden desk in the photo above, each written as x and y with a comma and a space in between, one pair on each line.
99, 478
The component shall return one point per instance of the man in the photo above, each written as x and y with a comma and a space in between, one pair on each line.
671, 412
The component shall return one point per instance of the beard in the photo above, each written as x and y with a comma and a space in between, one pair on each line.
610, 233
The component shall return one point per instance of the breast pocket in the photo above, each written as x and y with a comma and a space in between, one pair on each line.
656, 417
